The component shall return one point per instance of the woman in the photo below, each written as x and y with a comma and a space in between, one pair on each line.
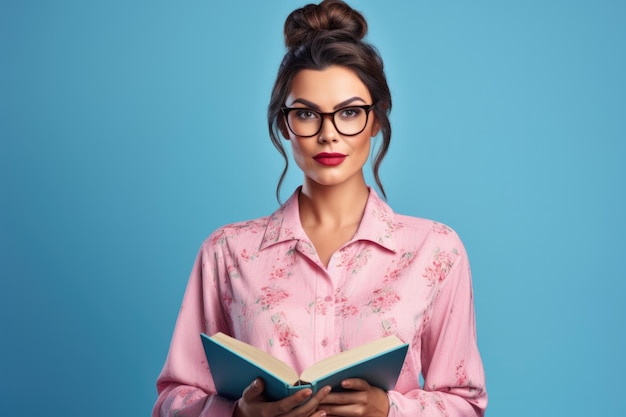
333, 267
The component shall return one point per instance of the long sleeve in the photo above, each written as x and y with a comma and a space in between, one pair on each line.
184, 387
453, 373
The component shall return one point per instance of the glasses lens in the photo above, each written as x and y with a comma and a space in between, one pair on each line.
351, 120
348, 121
304, 122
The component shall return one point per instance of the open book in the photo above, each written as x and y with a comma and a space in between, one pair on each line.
235, 364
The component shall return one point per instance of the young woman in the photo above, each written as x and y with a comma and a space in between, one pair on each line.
334, 267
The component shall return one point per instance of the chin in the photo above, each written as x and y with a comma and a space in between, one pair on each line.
334, 181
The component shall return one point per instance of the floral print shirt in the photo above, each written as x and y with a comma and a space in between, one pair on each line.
262, 282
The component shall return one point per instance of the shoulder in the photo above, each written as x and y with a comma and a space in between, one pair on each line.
250, 234
438, 249
409, 233
427, 232
245, 232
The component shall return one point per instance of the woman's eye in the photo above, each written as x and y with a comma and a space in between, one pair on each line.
306, 114
351, 112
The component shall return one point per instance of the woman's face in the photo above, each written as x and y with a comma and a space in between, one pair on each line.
330, 158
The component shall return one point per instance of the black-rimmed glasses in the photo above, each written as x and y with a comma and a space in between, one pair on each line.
349, 121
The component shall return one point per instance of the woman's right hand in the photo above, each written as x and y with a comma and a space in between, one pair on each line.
253, 404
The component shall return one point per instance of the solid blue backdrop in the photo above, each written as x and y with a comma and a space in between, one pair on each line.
131, 130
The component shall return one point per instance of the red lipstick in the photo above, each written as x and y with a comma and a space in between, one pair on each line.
329, 159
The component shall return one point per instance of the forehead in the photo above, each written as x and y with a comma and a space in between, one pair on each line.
327, 87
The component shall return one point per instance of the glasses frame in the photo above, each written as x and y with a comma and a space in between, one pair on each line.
365, 107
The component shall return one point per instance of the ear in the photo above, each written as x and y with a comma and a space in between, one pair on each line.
375, 128
282, 126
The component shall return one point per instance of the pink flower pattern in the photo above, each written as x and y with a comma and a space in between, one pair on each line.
441, 228
278, 273
390, 326
439, 268
283, 331
405, 260
343, 307
319, 306
233, 272
354, 262
233, 230
383, 299
272, 296
283, 266
247, 257
441, 406
461, 374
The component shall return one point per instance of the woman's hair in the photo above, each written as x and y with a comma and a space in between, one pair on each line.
319, 36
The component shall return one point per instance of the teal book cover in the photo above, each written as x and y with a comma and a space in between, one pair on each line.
235, 364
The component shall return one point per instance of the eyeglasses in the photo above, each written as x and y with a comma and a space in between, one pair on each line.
349, 121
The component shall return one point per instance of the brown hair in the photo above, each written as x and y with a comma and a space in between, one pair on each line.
319, 36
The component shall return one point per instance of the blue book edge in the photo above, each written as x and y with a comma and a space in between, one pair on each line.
232, 372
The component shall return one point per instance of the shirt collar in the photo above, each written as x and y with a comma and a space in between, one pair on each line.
377, 224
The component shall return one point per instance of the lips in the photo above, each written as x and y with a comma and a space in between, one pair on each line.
329, 159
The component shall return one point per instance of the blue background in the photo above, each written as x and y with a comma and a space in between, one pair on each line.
130, 130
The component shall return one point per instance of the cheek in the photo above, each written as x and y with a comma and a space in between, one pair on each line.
362, 147
298, 151
295, 146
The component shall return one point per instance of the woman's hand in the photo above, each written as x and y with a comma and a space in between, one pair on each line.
360, 399
253, 404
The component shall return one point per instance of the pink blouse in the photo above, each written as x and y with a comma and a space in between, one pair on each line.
262, 282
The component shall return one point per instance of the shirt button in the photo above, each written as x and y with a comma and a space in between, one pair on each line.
328, 298
324, 342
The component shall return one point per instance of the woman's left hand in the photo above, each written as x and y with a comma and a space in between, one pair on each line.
359, 399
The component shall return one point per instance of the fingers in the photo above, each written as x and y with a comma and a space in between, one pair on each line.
301, 404
355, 384
356, 391
293, 401
253, 391
307, 406
358, 399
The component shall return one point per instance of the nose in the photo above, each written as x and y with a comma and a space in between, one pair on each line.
328, 132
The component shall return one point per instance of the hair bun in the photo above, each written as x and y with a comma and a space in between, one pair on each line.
333, 16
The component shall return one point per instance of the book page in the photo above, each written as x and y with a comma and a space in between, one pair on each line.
348, 357
260, 358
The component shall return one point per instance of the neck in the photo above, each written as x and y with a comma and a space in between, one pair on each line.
335, 206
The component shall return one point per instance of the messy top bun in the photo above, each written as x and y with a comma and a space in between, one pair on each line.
304, 24
318, 36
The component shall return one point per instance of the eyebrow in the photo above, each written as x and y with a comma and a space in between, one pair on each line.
314, 106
